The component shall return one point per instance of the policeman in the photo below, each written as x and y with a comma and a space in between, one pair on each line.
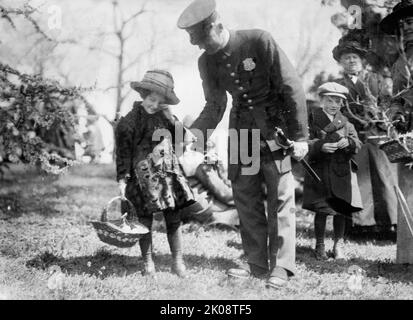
266, 93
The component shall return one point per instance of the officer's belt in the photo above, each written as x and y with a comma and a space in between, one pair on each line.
257, 101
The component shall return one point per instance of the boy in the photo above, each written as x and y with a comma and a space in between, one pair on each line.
332, 145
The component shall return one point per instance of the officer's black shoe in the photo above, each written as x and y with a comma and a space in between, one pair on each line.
278, 278
244, 271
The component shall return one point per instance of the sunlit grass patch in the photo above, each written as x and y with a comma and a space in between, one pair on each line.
49, 250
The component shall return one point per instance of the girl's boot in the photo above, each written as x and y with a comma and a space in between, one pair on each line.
146, 249
175, 243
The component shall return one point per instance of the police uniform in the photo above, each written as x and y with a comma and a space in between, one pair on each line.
266, 93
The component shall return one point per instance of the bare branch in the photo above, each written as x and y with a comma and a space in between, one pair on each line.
133, 17
93, 48
123, 98
137, 59
115, 87
27, 13
115, 21
35, 45
141, 54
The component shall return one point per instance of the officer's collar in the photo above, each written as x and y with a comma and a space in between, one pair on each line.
232, 43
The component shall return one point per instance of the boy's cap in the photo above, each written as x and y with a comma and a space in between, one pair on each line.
333, 89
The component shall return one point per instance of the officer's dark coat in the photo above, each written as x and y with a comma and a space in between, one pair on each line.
261, 79
339, 182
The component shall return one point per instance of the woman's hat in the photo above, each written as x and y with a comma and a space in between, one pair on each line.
333, 89
159, 81
348, 47
400, 11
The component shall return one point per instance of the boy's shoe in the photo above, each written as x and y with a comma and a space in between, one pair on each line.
338, 250
320, 252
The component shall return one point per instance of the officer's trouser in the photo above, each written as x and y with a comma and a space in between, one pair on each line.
267, 239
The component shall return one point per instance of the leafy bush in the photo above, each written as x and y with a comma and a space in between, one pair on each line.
37, 115
31, 109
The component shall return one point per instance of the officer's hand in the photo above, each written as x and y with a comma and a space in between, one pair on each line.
329, 147
343, 143
122, 188
300, 149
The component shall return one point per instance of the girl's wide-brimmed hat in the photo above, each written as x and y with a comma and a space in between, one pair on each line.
348, 47
159, 81
403, 9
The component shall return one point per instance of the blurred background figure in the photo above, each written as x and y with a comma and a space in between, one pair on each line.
207, 177
93, 139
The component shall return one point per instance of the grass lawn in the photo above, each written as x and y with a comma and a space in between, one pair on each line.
44, 227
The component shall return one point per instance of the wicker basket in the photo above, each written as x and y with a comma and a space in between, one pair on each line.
400, 151
120, 232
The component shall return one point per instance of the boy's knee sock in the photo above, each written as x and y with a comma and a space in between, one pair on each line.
320, 221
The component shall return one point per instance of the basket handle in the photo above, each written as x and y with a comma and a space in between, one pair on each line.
104, 215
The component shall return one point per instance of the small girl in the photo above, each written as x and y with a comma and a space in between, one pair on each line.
333, 143
148, 171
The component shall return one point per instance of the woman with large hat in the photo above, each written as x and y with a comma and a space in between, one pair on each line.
148, 171
399, 23
376, 175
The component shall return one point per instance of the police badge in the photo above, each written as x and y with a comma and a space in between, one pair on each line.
249, 64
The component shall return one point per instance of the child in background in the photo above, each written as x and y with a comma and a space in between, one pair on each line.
332, 145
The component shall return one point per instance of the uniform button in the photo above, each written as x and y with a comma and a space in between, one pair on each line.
245, 95
224, 57
228, 65
241, 88
249, 101
250, 107
237, 81
232, 74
